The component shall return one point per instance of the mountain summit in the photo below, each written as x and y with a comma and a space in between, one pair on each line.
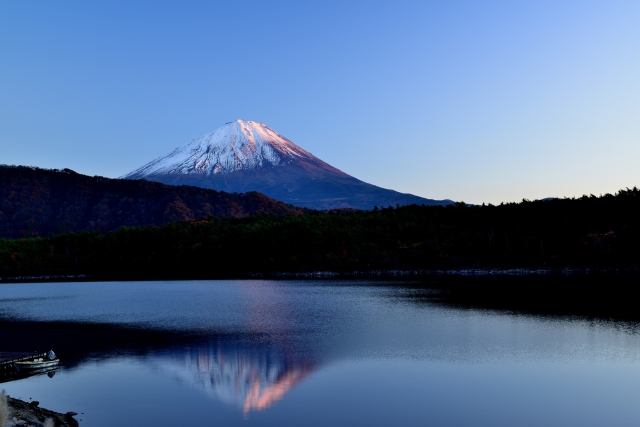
246, 156
239, 145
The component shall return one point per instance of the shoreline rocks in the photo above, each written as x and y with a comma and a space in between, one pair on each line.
461, 272
29, 414
361, 274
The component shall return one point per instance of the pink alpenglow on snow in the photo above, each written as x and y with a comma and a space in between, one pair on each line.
244, 156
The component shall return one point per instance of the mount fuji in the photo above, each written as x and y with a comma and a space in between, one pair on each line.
244, 156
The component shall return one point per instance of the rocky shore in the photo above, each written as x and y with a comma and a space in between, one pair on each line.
49, 278
17, 413
460, 272
362, 274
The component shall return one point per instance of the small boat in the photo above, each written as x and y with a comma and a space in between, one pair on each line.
36, 364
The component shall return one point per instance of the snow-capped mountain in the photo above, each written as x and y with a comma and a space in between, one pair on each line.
244, 156
239, 145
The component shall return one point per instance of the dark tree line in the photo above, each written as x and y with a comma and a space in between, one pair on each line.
584, 232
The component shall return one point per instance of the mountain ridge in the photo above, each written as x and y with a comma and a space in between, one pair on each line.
38, 202
249, 156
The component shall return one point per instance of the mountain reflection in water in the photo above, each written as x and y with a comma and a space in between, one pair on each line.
237, 369
252, 379
469, 353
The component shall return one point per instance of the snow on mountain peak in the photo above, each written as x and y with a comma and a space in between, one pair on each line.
234, 146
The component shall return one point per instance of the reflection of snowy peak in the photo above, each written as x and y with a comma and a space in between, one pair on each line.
239, 145
248, 380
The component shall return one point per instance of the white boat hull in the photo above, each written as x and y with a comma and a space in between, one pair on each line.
31, 366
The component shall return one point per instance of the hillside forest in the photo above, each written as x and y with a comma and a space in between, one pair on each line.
582, 232
39, 202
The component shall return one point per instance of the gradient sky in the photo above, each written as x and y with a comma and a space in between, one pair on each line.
481, 101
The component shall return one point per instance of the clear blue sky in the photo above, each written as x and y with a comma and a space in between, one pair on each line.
481, 101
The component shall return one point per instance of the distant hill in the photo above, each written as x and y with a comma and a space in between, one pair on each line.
38, 202
249, 156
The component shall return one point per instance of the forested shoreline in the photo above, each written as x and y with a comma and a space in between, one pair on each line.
586, 232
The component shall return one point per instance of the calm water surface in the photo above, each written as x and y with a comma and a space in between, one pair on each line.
285, 353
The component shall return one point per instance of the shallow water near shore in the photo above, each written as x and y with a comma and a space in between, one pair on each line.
278, 353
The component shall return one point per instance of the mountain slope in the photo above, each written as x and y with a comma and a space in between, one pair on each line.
37, 202
249, 156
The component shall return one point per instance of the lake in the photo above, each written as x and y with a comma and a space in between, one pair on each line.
314, 353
